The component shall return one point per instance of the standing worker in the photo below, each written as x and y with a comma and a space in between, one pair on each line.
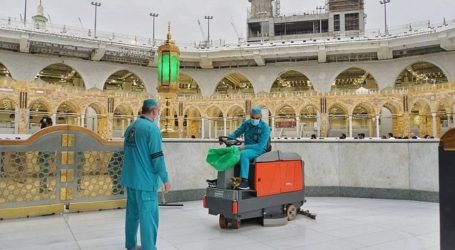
143, 171
256, 134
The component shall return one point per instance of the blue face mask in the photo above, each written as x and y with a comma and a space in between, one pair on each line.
254, 122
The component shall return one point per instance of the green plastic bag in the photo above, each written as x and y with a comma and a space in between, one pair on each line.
223, 158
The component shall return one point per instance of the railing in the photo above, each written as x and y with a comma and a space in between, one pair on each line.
349, 92
61, 166
80, 33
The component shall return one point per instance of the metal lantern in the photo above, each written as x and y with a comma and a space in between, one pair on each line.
168, 79
168, 67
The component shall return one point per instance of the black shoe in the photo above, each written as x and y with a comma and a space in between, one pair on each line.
244, 185
211, 183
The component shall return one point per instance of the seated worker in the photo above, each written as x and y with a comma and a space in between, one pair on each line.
256, 134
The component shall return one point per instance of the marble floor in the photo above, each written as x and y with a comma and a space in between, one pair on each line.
341, 223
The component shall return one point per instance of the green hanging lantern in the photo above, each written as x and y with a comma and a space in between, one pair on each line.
168, 67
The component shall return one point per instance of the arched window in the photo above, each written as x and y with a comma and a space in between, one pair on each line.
124, 80
420, 73
234, 83
354, 78
291, 81
61, 74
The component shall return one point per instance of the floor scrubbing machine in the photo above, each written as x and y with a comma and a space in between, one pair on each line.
276, 190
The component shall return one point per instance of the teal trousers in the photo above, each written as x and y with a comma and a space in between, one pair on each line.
141, 209
245, 157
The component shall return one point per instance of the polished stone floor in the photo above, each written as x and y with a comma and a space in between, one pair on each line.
342, 223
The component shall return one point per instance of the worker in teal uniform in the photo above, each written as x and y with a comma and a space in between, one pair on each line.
256, 135
142, 173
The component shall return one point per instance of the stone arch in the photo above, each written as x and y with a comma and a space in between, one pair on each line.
371, 110
235, 115
8, 117
393, 106
212, 108
193, 108
215, 121
123, 117
354, 78
233, 108
62, 74
421, 72
421, 102
4, 72
188, 86
338, 120
443, 117
192, 124
390, 116
67, 112
436, 104
124, 80
308, 119
363, 117
291, 80
37, 109
95, 118
285, 121
39, 103
233, 83
340, 106
281, 106
420, 118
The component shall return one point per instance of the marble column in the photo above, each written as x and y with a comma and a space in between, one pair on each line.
225, 125
406, 124
273, 126
210, 128
297, 125
180, 127
350, 125
202, 127
370, 127
82, 123
23, 121
54, 118
109, 125
17, 119
318, 122
378, 135
433, 124
324, 125
451, 122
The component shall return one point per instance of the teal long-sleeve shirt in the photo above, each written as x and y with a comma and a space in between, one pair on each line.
143, 162
256, 137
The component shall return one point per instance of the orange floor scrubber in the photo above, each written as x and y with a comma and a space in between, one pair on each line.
276, 195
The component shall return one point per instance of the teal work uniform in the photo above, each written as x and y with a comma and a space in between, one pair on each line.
143, 169
256, 141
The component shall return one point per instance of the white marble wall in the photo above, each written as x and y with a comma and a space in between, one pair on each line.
400, 164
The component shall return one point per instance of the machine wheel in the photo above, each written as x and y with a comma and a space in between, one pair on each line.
235, 224
222, 222
291, 211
